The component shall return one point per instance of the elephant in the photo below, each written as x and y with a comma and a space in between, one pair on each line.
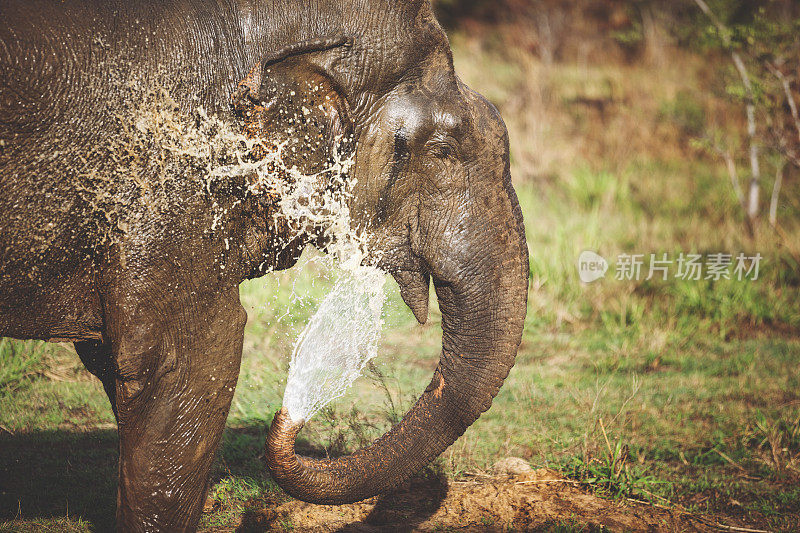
122, 240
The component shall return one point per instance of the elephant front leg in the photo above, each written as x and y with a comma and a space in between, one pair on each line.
173, 394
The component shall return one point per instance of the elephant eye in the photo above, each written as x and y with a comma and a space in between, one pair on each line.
442, 152
442, 149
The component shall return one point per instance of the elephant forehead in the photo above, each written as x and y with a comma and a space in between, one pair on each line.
412, 113
450, 120
421, 111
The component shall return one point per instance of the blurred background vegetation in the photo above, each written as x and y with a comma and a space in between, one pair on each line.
633, 130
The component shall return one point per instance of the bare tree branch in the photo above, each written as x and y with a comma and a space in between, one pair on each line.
776, 191
730, 164
786, 152
789, 96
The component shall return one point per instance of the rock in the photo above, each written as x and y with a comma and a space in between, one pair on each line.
512, 466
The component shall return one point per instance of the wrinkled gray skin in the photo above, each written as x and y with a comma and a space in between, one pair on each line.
154, 311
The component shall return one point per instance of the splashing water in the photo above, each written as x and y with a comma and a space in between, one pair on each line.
344, 333
337, 343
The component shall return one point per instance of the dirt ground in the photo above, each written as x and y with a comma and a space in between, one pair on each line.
539, 500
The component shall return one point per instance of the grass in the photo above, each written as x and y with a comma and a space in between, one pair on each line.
55, 525
679, 391
21, 362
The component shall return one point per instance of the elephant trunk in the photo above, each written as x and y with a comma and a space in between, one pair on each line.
482, 292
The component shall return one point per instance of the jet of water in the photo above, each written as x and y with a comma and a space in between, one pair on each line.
337, 343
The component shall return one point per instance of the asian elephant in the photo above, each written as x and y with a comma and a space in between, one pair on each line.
119, 238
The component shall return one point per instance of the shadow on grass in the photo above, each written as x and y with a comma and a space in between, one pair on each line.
60, 473
55, 474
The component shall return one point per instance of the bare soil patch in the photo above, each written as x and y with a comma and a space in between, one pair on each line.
540, 500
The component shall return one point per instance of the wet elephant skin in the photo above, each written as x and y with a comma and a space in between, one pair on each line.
109, 244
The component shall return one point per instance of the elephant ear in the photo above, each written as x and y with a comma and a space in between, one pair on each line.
289, 99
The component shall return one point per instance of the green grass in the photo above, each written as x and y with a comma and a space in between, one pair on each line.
680, 391
21, 363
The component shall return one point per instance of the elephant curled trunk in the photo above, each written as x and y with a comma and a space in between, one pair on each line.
481, 282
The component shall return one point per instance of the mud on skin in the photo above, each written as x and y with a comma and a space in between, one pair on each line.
139, 186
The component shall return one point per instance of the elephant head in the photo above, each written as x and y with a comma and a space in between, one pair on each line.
433, 192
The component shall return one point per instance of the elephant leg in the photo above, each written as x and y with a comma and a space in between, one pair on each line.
97, 358
174, 387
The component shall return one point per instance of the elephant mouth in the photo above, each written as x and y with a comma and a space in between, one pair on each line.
415, 291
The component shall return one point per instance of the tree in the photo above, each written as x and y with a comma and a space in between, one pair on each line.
765, 51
